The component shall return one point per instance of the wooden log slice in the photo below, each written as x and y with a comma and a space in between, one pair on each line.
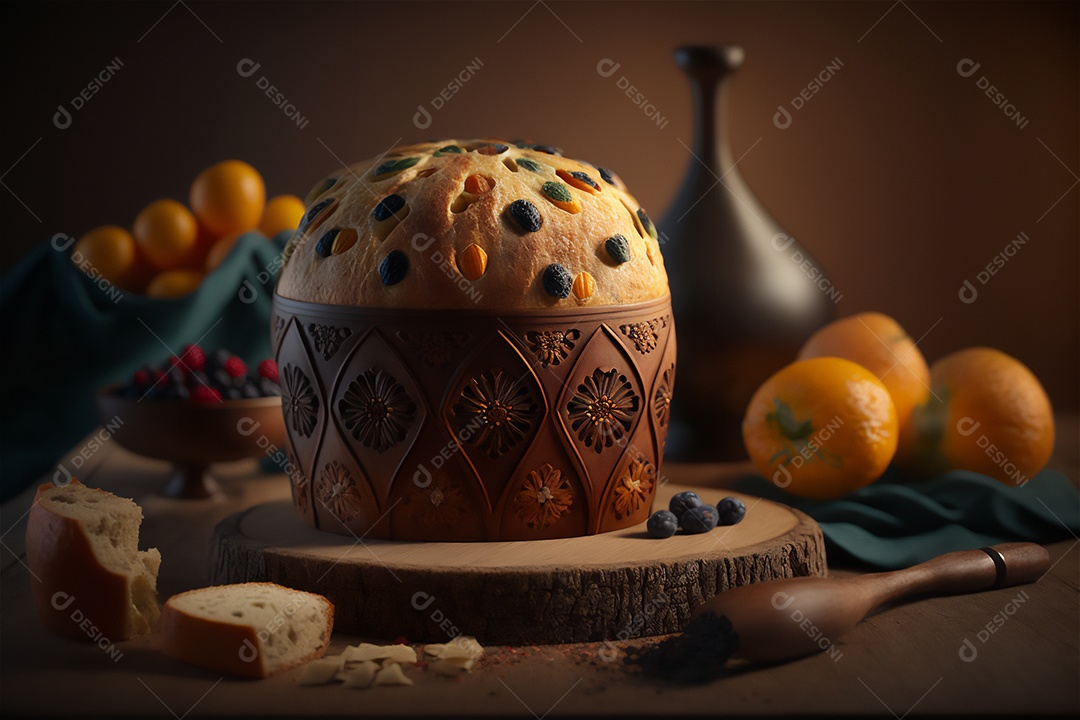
603, 587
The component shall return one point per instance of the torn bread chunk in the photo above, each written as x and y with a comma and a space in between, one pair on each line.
90, 580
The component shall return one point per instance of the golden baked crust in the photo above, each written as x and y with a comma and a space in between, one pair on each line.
428, 237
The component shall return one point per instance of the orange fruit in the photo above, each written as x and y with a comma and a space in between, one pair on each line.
228, 197
282, 213
173, 283
821, 428
219, 250
988, 414
166, 232
882, 346
110, 250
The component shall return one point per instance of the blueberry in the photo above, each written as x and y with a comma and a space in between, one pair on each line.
700, 519
730, 511
548, 149
683, 501
251, 390
313, 212
557, 281
662, 524
387, 207
393, 267
232, 393
221, 380
197, 378
647, 223
217, 358
268, 387
525, 215
326, 243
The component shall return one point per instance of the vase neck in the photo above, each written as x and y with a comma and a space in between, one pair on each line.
710, 125
708, 69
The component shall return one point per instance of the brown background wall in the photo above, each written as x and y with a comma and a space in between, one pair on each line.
900, 175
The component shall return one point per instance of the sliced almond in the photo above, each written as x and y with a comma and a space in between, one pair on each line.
391, 675
320, 672
360, 675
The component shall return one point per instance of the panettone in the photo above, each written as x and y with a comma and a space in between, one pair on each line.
474, 224
475, 342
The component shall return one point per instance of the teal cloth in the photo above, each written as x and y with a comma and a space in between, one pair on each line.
64, 336
896, 522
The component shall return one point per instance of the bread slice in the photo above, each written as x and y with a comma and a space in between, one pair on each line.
250, 629
90, 580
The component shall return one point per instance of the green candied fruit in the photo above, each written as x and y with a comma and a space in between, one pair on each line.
530, 165
393, 166
448, 150
557, 192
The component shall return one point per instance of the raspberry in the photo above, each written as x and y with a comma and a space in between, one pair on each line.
140, 378
268, 369
194, 358
235, 367
156, 376
203, 394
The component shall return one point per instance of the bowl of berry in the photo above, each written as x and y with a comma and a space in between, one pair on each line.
196, 409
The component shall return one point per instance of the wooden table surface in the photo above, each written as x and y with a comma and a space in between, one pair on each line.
903, 660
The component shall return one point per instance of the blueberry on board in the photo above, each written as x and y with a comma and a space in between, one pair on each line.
683, 501
697, 520
730, 511
662, 524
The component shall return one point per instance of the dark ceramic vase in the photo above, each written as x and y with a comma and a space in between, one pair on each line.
745, 293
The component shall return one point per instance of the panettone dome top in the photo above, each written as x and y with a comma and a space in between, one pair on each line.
479, 224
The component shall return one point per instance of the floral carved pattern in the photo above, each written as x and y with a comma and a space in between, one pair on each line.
327, 338
603, 408
497, 410
551, 347
644, 334
662, 397
544, 496
377, 410
337, 491
298, 480
440, 503
634, 488
299, 400
436, 350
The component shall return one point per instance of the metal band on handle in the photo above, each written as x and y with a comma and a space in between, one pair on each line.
999, 564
